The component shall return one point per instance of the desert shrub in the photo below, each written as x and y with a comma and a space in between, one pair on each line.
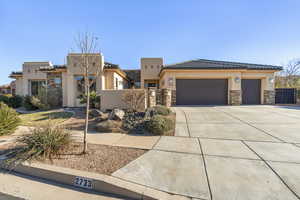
159, 124
133, 122
45, 142
134, 99
94, 99
15, 101
28, 104
33, 103
159, 110
9, 119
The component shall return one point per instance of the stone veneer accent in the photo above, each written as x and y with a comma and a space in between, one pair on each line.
151, 97
173, 97
235, 97
167, 97
158, 96
269, 97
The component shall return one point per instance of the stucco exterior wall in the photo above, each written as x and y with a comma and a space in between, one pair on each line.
19, 86
111, 99
74, 68
150, 68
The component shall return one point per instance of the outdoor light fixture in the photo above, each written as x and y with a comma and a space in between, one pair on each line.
271, 80
152, 93
237, 80
170, 81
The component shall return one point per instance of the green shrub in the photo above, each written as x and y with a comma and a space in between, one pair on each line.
54, 97
46, 142
133, 122
159, 110
9, 119
159, 124
94, 99
15, 101
4, 99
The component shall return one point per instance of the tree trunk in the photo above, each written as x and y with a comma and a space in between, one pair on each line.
86, 117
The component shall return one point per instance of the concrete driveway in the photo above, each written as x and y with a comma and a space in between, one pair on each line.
225, 153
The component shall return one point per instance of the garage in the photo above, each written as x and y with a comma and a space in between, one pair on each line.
251, 91
201, 91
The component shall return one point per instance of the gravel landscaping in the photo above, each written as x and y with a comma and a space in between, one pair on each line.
101, 159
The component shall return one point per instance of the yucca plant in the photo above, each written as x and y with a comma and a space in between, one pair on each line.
46, 141
9, 119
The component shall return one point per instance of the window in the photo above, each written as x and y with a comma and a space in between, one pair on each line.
151, 66
158, 66
36, 86
57, 81
94, 64
75, 64
117, 83
151, 84
145, 66
80, 84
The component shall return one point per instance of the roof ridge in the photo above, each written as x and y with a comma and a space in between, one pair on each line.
222, 62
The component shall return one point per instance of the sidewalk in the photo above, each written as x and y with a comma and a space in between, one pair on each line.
118, 139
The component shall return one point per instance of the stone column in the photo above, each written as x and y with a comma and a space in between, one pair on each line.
269, 97
151, 97
235, 97
158, 96
167, 97
173, 97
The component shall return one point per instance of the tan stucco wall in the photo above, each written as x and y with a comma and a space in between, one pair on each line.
113, 99
74, 68
169, 78
19, 86
150, 68
30, 72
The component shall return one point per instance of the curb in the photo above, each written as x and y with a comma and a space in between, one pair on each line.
98, 182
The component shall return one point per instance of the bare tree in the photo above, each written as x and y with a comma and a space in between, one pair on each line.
289, 76
87, 44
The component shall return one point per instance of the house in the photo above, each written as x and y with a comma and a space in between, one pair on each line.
195, 82
5, 89
69, 77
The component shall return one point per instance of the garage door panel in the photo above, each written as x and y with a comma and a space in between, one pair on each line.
251, 91
201, 91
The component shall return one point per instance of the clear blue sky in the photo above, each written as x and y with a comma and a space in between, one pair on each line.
256, 31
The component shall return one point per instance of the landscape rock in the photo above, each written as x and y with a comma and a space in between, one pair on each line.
103, 117
116, 114
109, 126
95, 113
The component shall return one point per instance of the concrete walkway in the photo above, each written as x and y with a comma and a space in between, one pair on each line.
225, 153
118, 139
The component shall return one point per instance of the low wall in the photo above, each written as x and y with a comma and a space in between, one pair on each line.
111, 99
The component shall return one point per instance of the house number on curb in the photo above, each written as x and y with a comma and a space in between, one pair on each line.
83, 182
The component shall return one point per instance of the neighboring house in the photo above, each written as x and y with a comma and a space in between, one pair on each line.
195, 82
5, 89
69, 77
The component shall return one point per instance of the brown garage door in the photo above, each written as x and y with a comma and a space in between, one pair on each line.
251, 89
201, 91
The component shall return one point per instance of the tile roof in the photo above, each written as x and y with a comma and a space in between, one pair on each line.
133, 74
213, 64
